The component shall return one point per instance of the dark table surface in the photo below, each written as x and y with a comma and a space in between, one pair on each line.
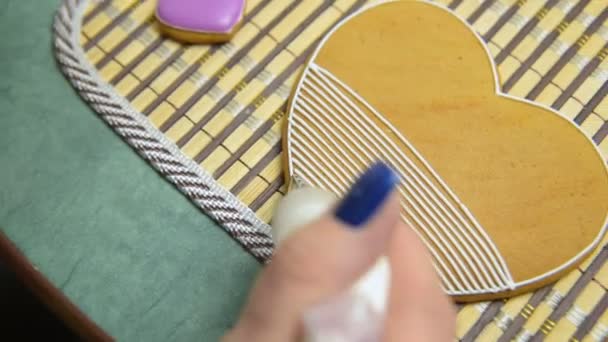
23, 316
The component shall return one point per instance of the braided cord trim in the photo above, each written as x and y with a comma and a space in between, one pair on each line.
221, 205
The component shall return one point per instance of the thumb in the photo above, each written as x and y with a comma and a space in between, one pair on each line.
322, 259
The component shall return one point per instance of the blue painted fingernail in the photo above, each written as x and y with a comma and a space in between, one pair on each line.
367, 195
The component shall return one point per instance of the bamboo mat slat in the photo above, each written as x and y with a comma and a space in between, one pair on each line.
224, 107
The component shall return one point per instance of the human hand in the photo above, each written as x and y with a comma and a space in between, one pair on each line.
324, 258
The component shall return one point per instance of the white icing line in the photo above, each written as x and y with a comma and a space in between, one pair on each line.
381, 137
479, 231
382, 154
297, 122
316, 139
338, 182
369, 157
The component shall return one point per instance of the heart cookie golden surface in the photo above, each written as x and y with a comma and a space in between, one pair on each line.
508, 195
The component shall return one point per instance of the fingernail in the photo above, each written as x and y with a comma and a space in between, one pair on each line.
367, 195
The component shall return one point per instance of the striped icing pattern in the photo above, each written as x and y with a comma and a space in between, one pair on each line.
330, 139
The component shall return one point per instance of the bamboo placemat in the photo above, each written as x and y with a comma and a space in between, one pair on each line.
223, 107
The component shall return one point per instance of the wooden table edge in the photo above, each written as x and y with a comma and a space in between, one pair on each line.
51, 296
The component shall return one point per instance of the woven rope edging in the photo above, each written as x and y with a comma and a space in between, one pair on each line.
237, 219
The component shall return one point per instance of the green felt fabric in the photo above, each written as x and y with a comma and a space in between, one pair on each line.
102, 225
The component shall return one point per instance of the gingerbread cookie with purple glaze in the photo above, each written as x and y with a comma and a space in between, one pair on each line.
200, 21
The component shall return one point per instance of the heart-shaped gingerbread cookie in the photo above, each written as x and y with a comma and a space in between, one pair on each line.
508, 195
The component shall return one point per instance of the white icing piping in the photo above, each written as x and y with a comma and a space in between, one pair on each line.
382, 138
439, 230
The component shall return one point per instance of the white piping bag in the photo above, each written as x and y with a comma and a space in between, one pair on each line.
357, 314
